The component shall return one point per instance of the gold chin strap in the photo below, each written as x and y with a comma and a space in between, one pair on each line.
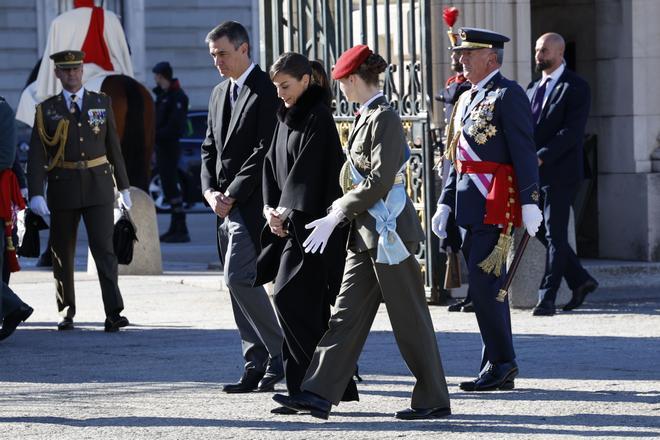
60, 136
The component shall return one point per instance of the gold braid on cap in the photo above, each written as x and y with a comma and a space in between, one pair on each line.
60, 136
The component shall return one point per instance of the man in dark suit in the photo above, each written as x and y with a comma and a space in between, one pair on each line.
241, 121
492, 187
560, 107
75, 146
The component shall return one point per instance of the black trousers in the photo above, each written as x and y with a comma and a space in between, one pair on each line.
561, 261
63, 233
493, 317
167, 160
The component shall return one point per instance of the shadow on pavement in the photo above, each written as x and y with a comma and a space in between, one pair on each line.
455, 423
179, 354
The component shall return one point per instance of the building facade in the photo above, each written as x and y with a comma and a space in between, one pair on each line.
614, 44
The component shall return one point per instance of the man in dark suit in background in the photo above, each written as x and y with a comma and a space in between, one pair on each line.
560, 107
241, 121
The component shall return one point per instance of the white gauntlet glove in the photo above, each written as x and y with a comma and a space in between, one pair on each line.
532, 218
323, 228
39, 206
439, 221
125, 198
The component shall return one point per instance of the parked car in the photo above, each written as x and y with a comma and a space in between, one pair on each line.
189, 164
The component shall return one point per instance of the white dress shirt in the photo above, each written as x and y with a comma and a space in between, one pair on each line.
552, 79
79, 100
239, 83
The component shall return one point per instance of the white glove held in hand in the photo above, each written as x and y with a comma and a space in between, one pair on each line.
439, 221
39, 206
125, 198
323, 228
532, 218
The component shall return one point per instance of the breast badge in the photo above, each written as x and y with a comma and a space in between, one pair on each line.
96, 118
482, 129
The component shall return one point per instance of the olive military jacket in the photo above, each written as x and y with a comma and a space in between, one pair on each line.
90, 137
377, 147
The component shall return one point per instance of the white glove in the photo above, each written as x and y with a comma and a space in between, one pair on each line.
39, 206
125, 198
323, 228
439, 221
532, 218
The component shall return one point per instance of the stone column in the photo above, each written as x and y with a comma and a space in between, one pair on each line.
628, 121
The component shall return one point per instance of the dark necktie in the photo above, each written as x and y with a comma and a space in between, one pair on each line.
234, 94
74, 109
537, 101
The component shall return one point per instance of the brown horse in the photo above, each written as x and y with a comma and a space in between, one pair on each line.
134, 112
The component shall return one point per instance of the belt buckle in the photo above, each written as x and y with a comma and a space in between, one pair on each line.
81, 165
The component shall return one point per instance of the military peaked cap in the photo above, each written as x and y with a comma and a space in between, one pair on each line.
473, 38
68, 58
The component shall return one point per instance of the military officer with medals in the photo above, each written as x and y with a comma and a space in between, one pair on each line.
75, 149
384, 233
492, 187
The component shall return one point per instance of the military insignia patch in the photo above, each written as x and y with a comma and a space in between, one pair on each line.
535, 196
53, 115
96, 118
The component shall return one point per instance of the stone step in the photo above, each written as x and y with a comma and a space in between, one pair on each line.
622, 273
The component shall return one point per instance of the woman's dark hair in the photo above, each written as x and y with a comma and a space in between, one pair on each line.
369, 70
292, 64
320, 78
233, 30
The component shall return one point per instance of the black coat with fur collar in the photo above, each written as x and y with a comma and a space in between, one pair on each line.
301, 172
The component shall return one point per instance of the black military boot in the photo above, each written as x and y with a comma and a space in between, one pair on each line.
179, 232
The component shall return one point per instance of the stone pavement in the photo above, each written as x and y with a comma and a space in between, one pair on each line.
592, 373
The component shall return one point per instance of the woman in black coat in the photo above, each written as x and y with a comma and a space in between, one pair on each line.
300, 181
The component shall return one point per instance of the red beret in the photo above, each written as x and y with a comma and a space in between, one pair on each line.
350, 60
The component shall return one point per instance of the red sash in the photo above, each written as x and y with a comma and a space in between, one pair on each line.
502, 204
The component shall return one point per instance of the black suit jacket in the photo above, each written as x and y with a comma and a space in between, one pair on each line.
234, 148
559, 133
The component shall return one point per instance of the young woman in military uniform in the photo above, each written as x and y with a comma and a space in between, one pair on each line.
383, 236
301, 179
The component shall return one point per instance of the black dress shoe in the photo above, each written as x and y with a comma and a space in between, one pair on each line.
579, 294
114, 323
283, 410
65, 324
471, 385
246, 384
544, 308
457, 307
12, 320
496, 377
468, 308
274, 373
419, 413
306, 402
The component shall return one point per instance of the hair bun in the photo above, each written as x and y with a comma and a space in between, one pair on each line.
376, 63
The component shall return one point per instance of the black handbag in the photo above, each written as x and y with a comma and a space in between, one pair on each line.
29, 244
124, 237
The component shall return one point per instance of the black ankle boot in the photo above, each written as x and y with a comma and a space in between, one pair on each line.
179, 232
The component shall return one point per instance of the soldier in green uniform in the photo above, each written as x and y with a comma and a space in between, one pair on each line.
75, 148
